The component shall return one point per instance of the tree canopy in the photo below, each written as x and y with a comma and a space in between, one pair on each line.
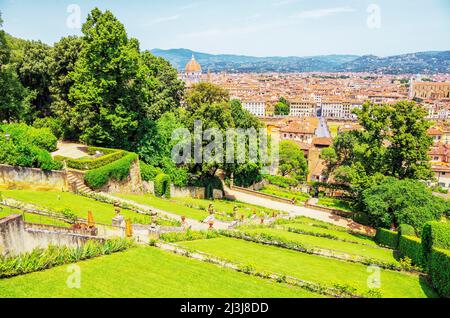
292, 161
394, 202
393, 142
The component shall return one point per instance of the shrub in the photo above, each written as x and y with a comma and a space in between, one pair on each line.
162, 185
283, 182
54, 124
118, 170
435, 235
40, 137
411, 247
361, 218
387, 238
407, 230
439, 270
149, 173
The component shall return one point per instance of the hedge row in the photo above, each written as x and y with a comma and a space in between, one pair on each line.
439, 270
410, 246
387, 238
435, 235
119, 170
162, 185
148, 172
110, 156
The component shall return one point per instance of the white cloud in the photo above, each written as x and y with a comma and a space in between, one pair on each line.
163, 20
321, 13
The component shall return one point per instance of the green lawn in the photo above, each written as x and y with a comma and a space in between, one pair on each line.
58, 201
329, 244
147, 272
285, 193
339, 234
226, 206
170, 206
335, 204
32, 218
311, 267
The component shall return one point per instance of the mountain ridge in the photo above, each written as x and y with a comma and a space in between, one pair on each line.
426, 62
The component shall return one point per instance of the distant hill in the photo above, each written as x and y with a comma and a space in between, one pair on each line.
423, 62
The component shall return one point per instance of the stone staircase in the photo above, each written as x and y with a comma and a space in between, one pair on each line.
76, 183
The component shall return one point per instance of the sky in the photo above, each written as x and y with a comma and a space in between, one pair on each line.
249, 27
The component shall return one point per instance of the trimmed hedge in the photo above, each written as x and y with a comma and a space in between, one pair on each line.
110, 155
387, 238
435, 235
149, 173
406, 229
410, 246
40, 137
119, 170
162, 185
439, 270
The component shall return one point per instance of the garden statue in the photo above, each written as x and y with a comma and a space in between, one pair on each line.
235, 212
211, 209
118, 220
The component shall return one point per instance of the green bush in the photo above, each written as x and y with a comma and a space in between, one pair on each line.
41, 259
387, 238
410, 246
110, 155
54, 124
439, 271
40, 137
119, 170
406, 229
162, 185
361, 218
23, 153
435, 235
283, 182
149, 173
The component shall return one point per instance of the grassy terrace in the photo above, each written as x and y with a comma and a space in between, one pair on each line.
335, 204
32, 218
285, 193
311, 267
195, 208
381, 254
58, 201
308, 228
147, 272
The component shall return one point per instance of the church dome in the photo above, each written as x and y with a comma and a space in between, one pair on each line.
193, 66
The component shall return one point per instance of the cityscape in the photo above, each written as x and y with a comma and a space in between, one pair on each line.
223, 175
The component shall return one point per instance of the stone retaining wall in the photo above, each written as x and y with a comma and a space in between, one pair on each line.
32, 178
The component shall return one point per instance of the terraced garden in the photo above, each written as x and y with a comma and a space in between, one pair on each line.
300, 197
79, 205
147, 272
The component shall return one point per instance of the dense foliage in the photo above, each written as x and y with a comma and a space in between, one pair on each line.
410, 246
393, 142
435, 235
439, 270
387, 238
292, 161
394, 202
118, 170
25, 146
162, 185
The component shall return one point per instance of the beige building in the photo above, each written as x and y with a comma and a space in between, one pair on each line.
303, 107
430, 90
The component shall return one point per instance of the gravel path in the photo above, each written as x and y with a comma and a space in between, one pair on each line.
295, 210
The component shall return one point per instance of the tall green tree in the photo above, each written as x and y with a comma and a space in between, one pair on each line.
393, 142
14, 98
5, 50
282, 107
292, 161
106, 95
64, 56
394, 202
34, 74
